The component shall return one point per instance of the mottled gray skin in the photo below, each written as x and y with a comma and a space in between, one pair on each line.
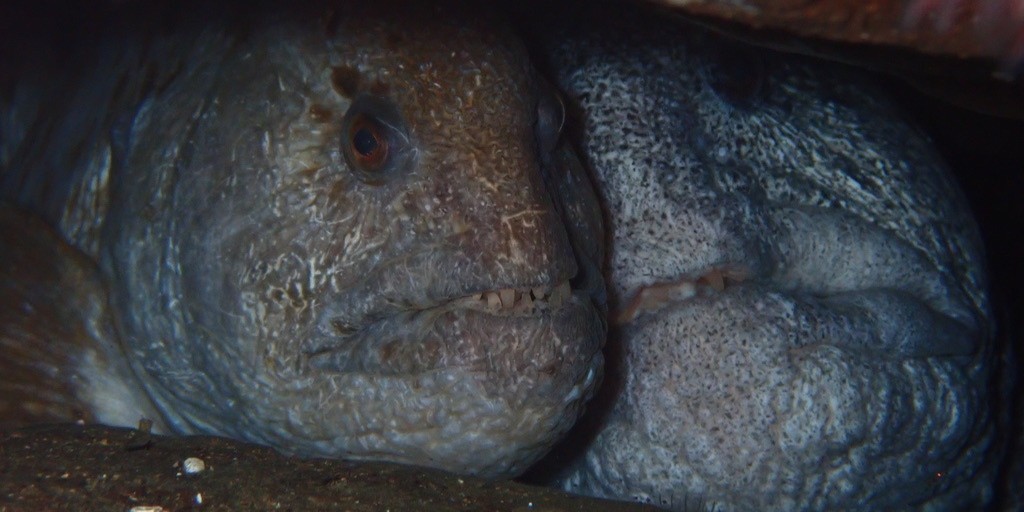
266, 288
846, 363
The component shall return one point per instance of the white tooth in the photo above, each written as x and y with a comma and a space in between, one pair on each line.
684, 290
508, 297
493, 301
559, 294
525, 304
538, 293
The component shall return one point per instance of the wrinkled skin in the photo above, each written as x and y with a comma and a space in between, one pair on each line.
269, 285
799, 286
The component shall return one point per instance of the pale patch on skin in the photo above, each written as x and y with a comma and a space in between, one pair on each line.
115, 398
54, 324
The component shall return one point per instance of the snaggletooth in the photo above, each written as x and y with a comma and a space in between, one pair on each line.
538, 293
508, 297
525, 304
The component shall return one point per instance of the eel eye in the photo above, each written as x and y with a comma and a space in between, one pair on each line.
368, 143
375, 140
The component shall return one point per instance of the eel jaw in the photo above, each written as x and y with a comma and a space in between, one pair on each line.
930, 332
657, 296
410, 339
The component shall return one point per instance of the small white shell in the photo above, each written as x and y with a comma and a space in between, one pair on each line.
193, 465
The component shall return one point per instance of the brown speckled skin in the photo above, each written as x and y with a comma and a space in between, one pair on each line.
265, 289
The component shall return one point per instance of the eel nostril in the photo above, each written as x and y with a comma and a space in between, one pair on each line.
342, 328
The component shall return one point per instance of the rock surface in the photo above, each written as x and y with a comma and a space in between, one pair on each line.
966, 28
70, 467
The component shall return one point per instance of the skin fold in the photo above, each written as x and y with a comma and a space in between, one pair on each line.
798, 286
332, 230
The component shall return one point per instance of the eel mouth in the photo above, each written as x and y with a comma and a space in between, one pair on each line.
902, 325
658, 296
458, 332
517, 301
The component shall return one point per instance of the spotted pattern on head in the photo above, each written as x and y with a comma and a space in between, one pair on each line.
807, 269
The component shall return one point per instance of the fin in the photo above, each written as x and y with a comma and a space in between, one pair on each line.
59, 359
